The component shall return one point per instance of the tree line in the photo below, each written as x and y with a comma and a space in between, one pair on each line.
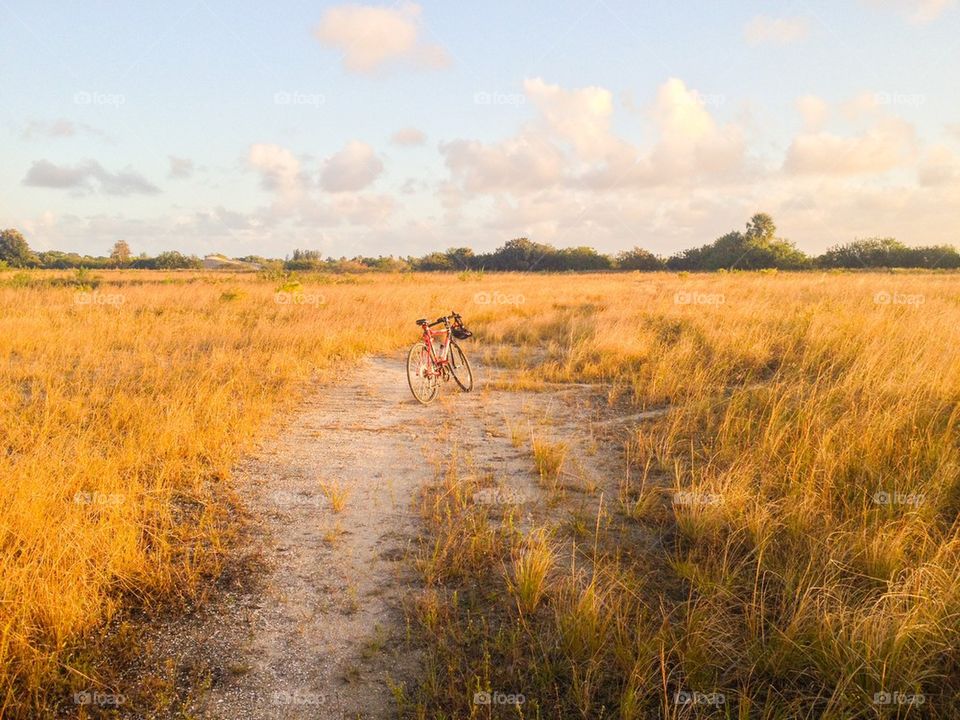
757, 247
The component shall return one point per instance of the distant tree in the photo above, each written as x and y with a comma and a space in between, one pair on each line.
434, 261
761, 229
384, 264
461, 258
305, 260
120, 253
173, 260
937, 256
639, 259
519, 254
343, 265
141, 261
578, 258
754, 249
889, 253
15, 251
56, 260
867, 253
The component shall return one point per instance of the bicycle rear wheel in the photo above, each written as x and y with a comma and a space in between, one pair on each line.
460, 367
424, 384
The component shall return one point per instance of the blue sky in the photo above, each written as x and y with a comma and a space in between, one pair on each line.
401, 128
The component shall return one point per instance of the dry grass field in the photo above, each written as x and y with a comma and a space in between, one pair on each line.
784, 542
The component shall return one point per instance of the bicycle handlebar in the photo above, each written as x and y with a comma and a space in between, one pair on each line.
446, 319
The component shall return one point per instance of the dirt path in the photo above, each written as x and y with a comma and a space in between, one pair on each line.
311, 642
320, 633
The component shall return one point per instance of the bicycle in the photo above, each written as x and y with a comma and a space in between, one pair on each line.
427, 365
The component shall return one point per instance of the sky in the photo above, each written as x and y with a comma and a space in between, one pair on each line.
366, 129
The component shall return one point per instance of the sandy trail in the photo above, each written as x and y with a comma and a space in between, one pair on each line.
320, 632
313, 640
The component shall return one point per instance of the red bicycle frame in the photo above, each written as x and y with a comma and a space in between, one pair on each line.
442, 358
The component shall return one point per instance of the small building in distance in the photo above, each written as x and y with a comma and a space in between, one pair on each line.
221, 262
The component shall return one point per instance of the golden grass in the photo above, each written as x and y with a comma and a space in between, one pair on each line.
336, 495
122, 409
549, 458
805, 488
809, 550
531, 565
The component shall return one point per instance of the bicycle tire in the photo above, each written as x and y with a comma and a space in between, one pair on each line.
423, 388
459, 363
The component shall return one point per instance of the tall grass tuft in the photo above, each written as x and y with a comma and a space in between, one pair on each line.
549, 458
532, 563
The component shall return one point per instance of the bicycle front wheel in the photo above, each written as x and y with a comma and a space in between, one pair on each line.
420, 375
460, 367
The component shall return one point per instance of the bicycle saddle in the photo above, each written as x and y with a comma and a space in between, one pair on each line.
422, 321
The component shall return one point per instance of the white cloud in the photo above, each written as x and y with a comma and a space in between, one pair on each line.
566, 177
180, 168
763, 30
87, 176
862, 106
62, 128
279, 169
298, 200
690, 144
364, 210
916, 11
351, 169
814, 111
818, 212
526, 162
371, 37
882, 147
939, 165
580, 117
408, 136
